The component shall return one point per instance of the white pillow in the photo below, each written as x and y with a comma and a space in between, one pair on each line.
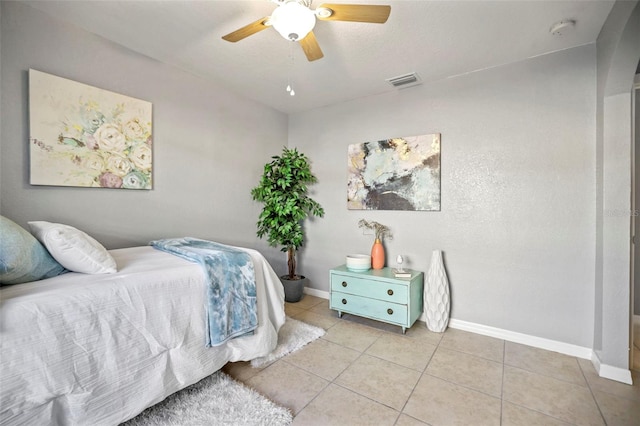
73, 249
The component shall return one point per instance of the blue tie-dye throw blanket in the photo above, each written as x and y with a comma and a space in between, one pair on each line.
231, 294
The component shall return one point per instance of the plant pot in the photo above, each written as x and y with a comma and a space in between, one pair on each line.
293, 289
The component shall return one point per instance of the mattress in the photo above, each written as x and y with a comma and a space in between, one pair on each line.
82, 349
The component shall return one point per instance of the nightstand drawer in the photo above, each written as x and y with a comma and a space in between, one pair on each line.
374, 309
377, 294
379, 290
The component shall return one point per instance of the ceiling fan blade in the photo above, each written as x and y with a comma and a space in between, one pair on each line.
377, 14
311, 47
247, 30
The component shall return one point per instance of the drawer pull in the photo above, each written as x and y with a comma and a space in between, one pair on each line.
390, 311
390, 292
344, 301
344, 283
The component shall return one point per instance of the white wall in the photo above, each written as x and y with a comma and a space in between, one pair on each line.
518, 190
202, 171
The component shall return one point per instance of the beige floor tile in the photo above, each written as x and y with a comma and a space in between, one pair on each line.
411, 353
323, 358
474, 344
467, 370
405, 420
461, 371
601, 384
566, 401
383, 381
618, 411
544, 362
308, 301
319, 320
241, 370
292, 310
339, 406
514, 415
287, 385
438, 402
352, 335
420, 331
323, 308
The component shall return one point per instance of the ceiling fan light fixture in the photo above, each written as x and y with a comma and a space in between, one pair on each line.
293, 20
323, 12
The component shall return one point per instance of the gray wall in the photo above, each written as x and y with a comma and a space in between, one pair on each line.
202, 135
636, 291
618, 53
518, 190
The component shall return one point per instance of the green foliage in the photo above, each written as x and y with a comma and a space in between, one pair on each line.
283, 191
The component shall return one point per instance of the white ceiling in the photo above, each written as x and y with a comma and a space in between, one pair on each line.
436, 39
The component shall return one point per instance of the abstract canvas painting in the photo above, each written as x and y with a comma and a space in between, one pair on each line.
395, 174
88, 137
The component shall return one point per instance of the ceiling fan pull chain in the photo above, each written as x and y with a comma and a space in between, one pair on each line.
289, 86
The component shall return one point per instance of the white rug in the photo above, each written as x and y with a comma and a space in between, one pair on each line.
215, 400
292, 336
220, 400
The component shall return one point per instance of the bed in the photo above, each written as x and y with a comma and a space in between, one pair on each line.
97, 349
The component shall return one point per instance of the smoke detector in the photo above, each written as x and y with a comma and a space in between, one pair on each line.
561, 28
405, 80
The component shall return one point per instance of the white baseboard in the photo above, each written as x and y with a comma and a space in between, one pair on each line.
610, 372
317, 293
606, 371
525, 339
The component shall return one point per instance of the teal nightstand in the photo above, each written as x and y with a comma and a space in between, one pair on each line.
377, 294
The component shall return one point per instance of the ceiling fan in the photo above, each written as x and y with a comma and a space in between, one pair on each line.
294, 20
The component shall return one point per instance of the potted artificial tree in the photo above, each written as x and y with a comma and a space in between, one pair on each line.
283, 191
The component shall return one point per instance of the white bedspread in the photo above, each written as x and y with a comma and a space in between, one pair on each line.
98, 349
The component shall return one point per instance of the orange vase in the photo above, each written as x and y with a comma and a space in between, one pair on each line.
377, 255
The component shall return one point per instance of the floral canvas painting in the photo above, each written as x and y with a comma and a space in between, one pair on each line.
88, 137
395, 174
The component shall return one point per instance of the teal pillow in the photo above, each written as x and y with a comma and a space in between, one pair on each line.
22, 257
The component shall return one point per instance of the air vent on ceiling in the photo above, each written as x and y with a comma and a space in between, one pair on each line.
406, 80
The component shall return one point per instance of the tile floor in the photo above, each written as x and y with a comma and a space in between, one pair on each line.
364, 372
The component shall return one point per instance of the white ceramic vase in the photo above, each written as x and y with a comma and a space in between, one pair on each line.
437, 302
